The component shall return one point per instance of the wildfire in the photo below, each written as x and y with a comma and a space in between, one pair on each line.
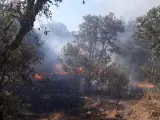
57, 69
79, 69
144, 84
37, 76
40, 77
62, 73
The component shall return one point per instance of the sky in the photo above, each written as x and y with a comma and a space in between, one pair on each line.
70, 12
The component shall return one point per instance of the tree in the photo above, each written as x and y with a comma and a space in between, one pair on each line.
17, 73
131, 53
147, 32
152, 70
90, 50
24, 12
118, 79
148, 29
16, 55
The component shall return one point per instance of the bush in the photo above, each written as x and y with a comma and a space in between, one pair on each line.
117, 81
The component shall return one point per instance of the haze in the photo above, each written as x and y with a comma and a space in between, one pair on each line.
70, 12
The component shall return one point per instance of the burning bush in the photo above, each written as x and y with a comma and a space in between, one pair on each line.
90, 51
111, 82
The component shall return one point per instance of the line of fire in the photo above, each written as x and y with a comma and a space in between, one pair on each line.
79, 70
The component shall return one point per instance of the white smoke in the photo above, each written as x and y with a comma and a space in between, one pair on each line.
129, 9
54, 41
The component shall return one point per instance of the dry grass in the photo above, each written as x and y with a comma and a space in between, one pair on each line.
113, 114
55, 116
153, 104
147, 108
139, 112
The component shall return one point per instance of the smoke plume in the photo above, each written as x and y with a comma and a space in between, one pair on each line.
58, 35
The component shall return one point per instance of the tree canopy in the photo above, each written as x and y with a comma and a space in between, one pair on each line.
16, 54
90, 50
148, 29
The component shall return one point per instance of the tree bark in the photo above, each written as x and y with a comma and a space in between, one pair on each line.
26, 23
89, 87
1, 115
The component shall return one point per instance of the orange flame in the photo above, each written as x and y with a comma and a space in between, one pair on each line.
144, 84
80, 69
40, 77
58, 70
64, 73
37, 76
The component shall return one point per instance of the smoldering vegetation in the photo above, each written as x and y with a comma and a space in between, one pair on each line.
56, 92
55, 95
95, 72
130, 54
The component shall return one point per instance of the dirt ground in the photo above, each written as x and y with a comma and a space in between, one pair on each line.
99, 109
103, 108
147, 108
108, 109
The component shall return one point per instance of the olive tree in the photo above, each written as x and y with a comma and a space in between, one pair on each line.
90, 49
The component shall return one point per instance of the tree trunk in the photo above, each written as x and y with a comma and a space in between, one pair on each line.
1, 115
1, 107
26, 23
89, 87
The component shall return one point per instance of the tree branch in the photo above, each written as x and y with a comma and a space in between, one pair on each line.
30, 4
27, 24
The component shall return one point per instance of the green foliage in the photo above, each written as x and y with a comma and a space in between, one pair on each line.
117, 80
148, 29
147, 33
156, 89
17, 57
92, 42
18, 72
11, 105
16, 66
90, 51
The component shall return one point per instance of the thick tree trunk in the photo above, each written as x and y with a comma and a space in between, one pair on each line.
1, 107
1, 115
26, 23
